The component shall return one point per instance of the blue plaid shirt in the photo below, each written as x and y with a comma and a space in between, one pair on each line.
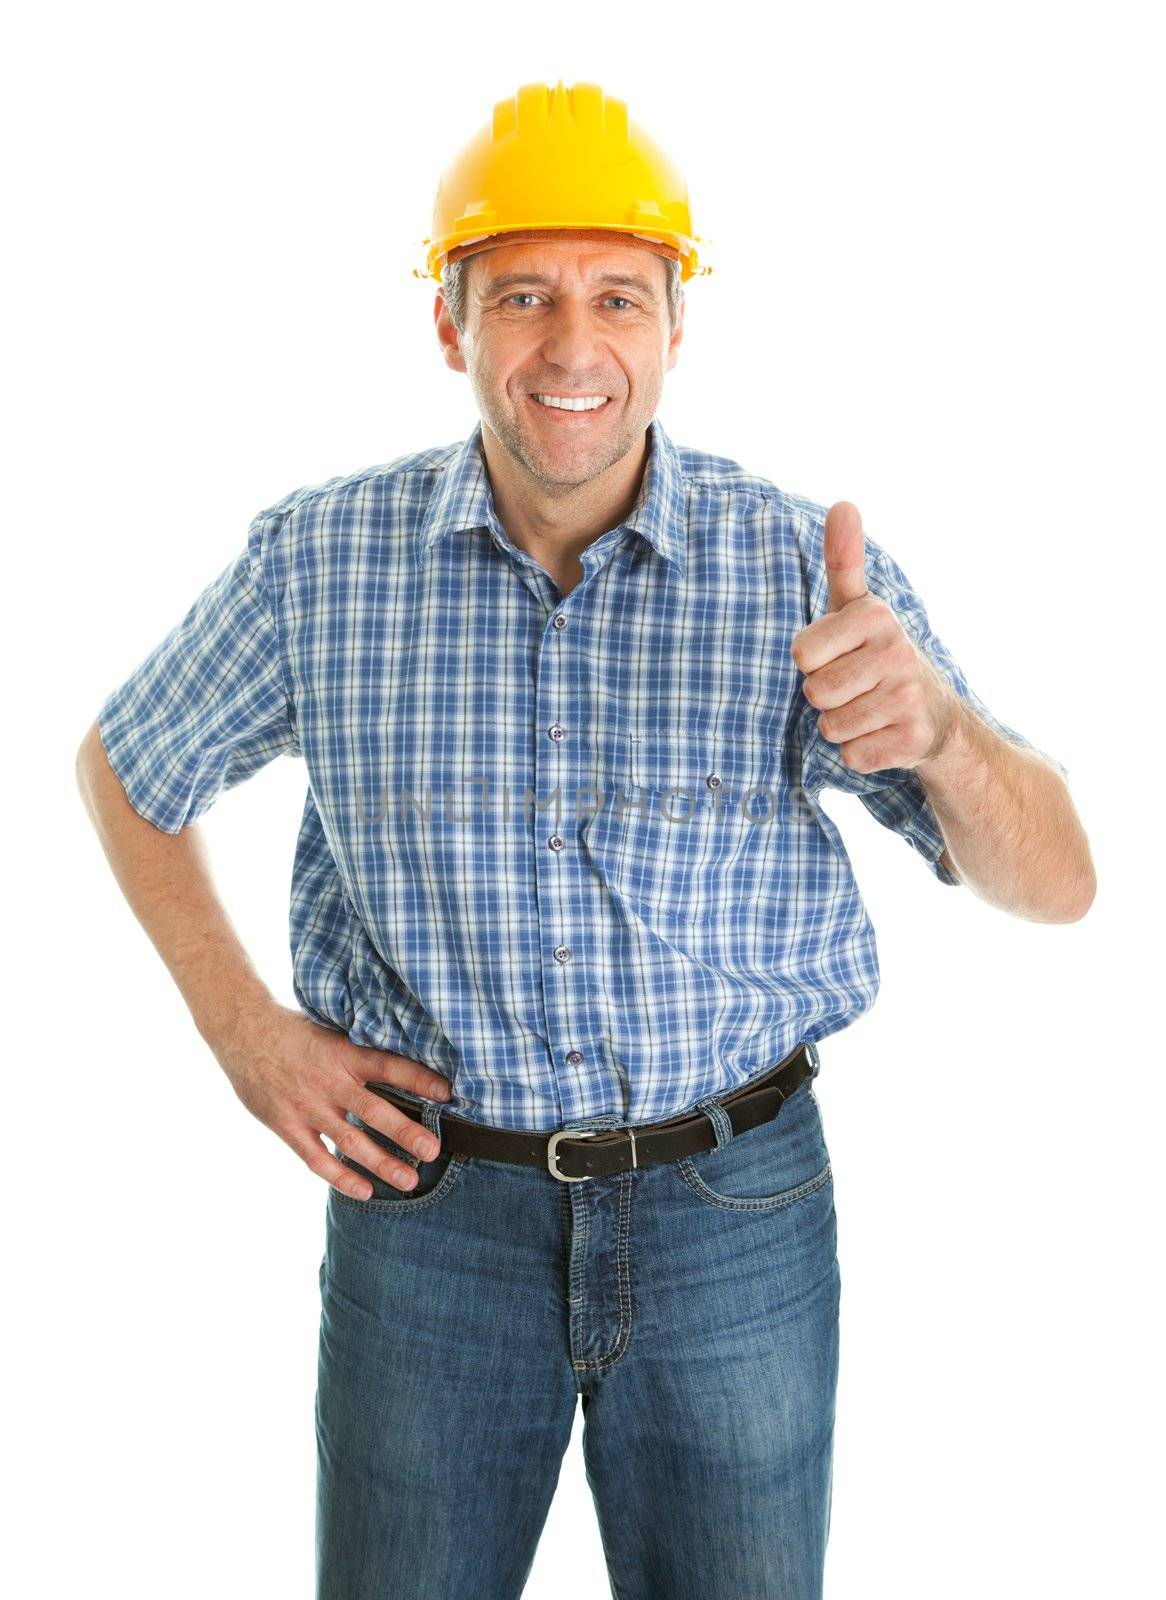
566, 850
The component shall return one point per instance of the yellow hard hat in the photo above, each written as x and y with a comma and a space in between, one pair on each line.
560, 158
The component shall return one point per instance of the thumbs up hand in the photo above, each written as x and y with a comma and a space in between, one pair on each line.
882, 701
844, 550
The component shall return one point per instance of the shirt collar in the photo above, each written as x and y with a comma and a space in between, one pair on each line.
463, 500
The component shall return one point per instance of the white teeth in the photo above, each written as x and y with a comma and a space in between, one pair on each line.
583, 403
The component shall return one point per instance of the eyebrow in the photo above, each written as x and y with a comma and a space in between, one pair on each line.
621, 280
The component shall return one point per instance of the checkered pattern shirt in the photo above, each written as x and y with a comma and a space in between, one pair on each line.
566, 850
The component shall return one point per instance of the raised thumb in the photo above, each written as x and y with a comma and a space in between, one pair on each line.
844, 551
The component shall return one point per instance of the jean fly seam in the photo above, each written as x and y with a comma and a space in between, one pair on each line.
578, 1306
623, 1280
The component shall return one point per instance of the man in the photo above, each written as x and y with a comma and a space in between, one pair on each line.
566, 694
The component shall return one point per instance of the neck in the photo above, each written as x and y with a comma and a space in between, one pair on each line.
555, 525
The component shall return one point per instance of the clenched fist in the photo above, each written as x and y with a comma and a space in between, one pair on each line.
881, 699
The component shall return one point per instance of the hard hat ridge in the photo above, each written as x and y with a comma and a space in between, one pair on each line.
558, 158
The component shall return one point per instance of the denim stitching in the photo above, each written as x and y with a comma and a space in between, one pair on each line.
763, 1203
719, 1117
623, 1278
602, 1121
457, 1165
577, 1292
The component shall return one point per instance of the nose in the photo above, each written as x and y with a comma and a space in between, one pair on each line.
571, 341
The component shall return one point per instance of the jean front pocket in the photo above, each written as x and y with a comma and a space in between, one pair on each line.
769, 1167
435, 1179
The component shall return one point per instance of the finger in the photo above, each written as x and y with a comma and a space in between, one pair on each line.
357, 1144
880, 708
844, 552
319, 1159
870, 752
843, 679
834, 636
405, 1073
381, 1114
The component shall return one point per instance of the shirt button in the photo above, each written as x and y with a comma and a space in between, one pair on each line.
556, 841
574, 1057
557, 731
558, 620
713, 780
562, 953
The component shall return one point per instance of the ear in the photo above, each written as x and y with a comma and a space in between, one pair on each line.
447, 335
674, 343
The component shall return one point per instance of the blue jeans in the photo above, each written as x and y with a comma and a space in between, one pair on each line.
692, 1305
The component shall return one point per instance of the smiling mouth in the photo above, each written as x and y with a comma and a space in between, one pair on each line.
567, 414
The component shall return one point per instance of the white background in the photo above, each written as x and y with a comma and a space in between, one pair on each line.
937, 293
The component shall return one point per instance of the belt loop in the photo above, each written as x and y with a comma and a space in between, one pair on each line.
718, 1116
431, 1119
812, 1055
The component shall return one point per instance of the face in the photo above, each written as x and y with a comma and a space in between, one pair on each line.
562, 325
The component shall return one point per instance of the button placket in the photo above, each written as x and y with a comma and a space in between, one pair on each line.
562, 1006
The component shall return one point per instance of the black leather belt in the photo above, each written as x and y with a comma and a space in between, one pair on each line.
593, 1153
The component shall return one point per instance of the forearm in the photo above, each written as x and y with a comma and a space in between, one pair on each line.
1012, 831
167, 883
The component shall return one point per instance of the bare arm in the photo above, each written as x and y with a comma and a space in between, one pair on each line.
1011, 830
294, 1075
1009, 825
166, 879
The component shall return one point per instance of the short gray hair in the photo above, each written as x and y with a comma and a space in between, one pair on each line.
453, 287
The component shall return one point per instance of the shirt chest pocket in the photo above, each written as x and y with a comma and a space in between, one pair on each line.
686, 830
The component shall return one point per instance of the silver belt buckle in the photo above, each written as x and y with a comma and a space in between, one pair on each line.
553, 1145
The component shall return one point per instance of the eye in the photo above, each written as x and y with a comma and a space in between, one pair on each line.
529, 294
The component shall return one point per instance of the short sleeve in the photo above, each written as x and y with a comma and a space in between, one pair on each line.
896, 796
210, 704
